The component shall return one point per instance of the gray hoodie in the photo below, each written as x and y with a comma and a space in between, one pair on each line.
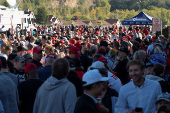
155, 78
55, 96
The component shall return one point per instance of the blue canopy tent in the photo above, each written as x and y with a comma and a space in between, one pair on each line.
141, 19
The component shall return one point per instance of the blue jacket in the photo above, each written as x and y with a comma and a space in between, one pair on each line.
45, 72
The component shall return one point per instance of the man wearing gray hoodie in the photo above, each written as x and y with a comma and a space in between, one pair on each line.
57, 94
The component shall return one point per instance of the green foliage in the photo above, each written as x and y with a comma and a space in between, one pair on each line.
102, 9
82, 2
42, 16
6, 4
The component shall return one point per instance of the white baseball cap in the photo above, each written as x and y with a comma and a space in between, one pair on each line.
22, 42
92, 77
96, 65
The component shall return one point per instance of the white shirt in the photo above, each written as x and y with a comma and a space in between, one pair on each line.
114, 82
132, 96
4, 55
114, 38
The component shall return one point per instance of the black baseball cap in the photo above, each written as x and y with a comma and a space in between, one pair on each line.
124, 49
12, 56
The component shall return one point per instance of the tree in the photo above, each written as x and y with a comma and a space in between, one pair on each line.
42, 16
6, 4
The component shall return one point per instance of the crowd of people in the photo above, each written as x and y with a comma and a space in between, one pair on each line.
84, 69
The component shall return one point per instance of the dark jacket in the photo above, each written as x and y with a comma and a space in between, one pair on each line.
86, 62
45, 72
73, 78
162, 82
107, 101
38, 64
121, 71
86, 104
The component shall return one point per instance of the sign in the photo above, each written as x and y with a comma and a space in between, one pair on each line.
156, 24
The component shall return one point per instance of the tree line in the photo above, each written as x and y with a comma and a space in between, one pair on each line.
102, 9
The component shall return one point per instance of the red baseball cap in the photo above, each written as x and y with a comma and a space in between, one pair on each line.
37, 49
55, 35
30, 66
61, 41
72, 41
102, 59
101, 49
51, 56
29, 32
76, 51
128, 37
134, 30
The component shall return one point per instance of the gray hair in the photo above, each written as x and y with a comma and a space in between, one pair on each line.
139, 54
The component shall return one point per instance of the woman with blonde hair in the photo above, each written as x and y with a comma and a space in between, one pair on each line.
3, 37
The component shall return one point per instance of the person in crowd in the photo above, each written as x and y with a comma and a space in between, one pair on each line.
29, 36
45, 72
104, 45
164, 109
133, 49
8, 50
93, 88
140, 55
78, 68
8, 89
163, 41
133, 95
21, 50
148, 69
5, 70
56, 90
11, 58
120, 69
2, 28
48, 50
114, 82
113, 55
85, 60
74, 78
163, 99
158, 75
37, 56
151, 47
27, 57
27, 89
108, 94
30, 48
19, 67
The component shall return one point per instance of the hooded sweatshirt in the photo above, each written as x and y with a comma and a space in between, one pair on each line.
55, 96
161, 81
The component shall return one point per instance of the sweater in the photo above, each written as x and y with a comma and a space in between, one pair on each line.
8, 94
55, 96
